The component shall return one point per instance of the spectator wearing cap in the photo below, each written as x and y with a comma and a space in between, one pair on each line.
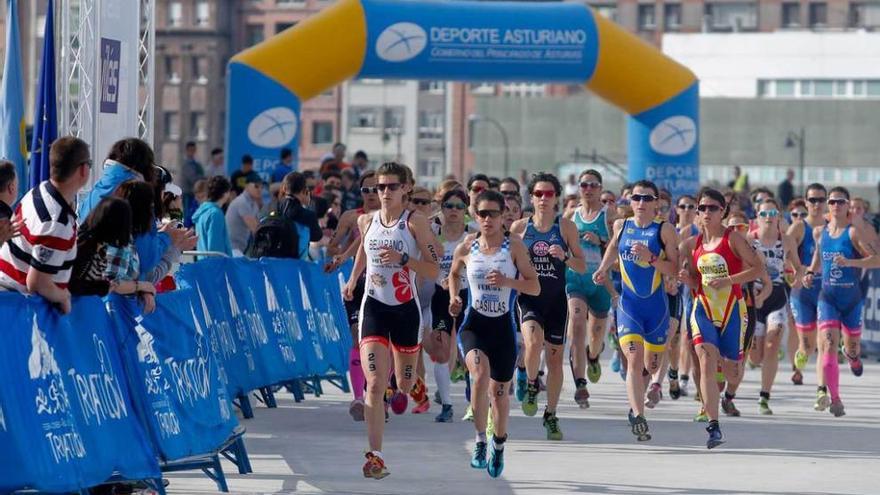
129, 159
210, 221
284, 167
239, 176
39, 260
217, 166
242, 215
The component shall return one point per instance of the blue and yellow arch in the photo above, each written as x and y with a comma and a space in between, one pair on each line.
468, 41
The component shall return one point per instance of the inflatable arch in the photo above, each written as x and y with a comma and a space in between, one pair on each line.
558, 42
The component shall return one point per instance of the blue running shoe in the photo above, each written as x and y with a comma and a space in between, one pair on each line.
445, 415
615, 361
715, 436
478, 459
522, 381
496, 462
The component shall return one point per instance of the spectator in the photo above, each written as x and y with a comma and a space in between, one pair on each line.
39, 260
239, 176
210, 221
200, 190
8, 195
785, 191
217, 166
192, 173
242, 215
284, 167
571, 187
296, 195
360, 163
129, 159
328, 164
339, 150
172, 204
740, 182
351, 197
332, 181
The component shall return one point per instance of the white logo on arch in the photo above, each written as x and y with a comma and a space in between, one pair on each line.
273, 128
674, 136
401, 42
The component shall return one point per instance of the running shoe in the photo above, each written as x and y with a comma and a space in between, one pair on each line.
837, 408
683, 387
356, 410
478, 458
655, 394
701, 416
639, 427
594, 368
457, 373
856, 367
764, 407
422, 407
445, 415
822, 401
399, 402
490, 424
522, 382
437, 399
375, 467
797, 377
674, 389
582, 395
496, 462
729, 407
551, 424
715, 436
615, 361
468, 414
800, 359
530, 403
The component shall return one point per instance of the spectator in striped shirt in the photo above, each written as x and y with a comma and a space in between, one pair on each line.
39, 260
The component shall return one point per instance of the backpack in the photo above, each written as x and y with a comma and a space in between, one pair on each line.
278, 237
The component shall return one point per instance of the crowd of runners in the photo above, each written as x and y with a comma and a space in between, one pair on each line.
498, 283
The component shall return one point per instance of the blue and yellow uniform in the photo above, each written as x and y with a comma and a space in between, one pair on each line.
840, 298
804, 300
643, 312
550, 307
580, 285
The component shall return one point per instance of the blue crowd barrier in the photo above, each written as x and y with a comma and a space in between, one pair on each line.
107, 393
871, 317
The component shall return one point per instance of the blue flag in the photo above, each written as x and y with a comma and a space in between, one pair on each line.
45, 111
13, 143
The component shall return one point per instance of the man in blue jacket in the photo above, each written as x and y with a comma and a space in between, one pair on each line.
209, 219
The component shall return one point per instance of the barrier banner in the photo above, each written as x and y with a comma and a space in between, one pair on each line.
326, 304
871, 316
65, 411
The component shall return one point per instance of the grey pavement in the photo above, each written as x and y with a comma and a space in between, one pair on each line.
315, 447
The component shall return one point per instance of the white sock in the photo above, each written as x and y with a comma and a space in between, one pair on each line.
377, 454
481, 437
441, 376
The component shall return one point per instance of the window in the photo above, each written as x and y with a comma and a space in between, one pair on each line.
672, 16
200, 70
203, 13
806, 88
791, 15
172, 69
175, 14
523, 90
785, 87
199, 126
290, 3
253, 34
281, 26
858, 88
393, 118
731, 16
647, 21
172, 126
431, 124
864, 15
435, 87
764, 88
608, 11
431, 167
823, 88
840, 88
818, 14
873, 88
364, 118
322, 132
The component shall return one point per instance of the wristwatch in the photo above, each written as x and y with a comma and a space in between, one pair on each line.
404, 259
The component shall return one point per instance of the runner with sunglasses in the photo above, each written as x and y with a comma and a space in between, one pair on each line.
587, 334
553, 246
776, 250
679, 349
451, 232
715, 264
475, 185
396, 245
805, 300
842, 252
497, 267
342, 246
646, 250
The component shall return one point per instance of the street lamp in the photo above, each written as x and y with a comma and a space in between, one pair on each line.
798, 140
474, 118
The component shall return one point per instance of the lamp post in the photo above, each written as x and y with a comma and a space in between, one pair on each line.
798, 140
474, 118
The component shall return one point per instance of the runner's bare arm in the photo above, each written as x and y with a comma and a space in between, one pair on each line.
610, 256
360, 260
752, 265
527, 283
867, 246
348, 219
428, 266
570, 234
687, 272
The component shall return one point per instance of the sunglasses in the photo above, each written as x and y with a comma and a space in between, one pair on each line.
477, 189
840, 201
686, 207
768, 213
543, 194
394, 186
454, 206
421, 202
489, 213
711, 208
512, 194
798, 214
591, 185
741, 227
816, 201
369, 190
644, 198
608, 202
